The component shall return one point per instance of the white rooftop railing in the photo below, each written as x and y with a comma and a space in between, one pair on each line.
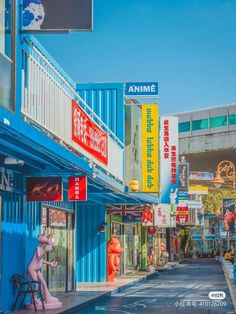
47, 102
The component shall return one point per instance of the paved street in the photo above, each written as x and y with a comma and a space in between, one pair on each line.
182, 289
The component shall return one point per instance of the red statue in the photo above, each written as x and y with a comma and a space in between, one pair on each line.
113, 259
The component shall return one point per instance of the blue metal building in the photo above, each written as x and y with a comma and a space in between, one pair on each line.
35, 140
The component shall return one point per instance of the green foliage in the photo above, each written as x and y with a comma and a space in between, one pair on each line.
212, 202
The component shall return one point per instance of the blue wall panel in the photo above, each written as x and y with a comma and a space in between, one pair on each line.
107, 101
20, 227
90, 246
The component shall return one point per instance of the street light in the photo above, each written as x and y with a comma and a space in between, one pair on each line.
227, 168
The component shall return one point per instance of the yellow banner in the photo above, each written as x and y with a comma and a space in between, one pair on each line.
150, 148
197, 189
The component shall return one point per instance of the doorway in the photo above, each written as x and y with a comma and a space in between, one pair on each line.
59, 224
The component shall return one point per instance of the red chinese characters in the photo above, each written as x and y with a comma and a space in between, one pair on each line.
173, 164
88, 134
166, 139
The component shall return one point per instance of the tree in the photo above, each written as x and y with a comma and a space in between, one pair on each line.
212, 202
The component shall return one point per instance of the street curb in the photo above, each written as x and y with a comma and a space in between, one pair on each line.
134, 283
85, 304
230, 289
107, 294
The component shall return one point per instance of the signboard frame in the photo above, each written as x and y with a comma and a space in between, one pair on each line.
48, 16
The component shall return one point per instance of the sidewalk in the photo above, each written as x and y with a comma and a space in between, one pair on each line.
88, 293
232, 288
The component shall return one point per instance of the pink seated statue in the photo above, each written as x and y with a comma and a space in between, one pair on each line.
34, 271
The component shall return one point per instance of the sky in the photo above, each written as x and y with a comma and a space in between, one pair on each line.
188, 46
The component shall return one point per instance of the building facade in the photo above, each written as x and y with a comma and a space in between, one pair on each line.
40, 138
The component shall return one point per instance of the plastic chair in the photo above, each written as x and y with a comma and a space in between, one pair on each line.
25, 286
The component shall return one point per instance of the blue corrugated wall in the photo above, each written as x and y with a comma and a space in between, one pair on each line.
20, 227
107, 101
90, 246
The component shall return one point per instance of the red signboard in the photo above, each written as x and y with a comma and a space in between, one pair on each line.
77, 188
147, 216
182, 214
88, 134
44, 189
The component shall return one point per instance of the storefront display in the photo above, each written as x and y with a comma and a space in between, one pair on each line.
127, 235
59, 225
155, 244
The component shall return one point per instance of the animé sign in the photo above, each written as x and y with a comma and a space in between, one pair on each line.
141, 89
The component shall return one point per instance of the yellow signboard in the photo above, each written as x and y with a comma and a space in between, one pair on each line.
197, 189
150, 148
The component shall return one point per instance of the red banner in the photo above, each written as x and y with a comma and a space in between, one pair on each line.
182, 214
44, 189
147, 216
88, 134
77, 188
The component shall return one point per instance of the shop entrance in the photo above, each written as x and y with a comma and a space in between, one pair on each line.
127, 234
59, 225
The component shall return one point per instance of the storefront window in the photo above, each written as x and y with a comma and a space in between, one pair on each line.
5, 55
116, 230
5, 27
59, 225
209, 246
130, 249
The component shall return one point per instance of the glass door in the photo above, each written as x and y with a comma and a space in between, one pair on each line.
130, 249
59, 225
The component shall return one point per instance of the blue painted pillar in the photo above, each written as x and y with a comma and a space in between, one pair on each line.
90, 245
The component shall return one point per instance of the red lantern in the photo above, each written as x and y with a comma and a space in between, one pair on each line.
151, 230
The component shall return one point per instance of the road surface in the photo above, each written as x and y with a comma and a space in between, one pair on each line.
183, 289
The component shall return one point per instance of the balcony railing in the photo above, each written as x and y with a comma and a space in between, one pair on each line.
47, 94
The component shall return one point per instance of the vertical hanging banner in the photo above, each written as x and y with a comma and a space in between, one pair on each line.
169, 150
150, 148
228, 205
57, 16
183, 176
77, 188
